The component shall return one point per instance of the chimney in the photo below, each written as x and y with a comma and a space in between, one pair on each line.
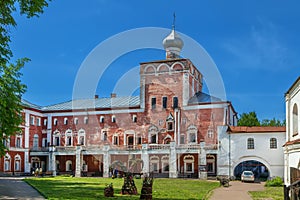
96, 96
113, 95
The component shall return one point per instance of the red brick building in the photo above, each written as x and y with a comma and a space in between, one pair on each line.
171, 126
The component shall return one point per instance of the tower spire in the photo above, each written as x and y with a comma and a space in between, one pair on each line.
173, 43
173, 25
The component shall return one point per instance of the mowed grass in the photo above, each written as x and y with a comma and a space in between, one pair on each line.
274, 193
93, 188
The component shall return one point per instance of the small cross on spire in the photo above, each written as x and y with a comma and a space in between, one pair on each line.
174, 17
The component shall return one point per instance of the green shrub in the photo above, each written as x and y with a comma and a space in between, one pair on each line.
275, 182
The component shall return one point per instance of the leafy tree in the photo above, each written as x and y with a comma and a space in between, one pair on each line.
11, 88
248, 119
272, 122
10, 105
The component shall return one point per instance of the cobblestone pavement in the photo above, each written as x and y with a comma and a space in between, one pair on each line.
236, 191
15, 188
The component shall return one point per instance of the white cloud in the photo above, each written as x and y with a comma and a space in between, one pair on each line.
261, 48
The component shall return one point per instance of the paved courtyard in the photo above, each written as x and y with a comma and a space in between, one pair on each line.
236, 191
15, 188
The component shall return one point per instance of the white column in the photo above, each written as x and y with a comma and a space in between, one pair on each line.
145, 158
52, 160
172, 161
78, 161
26, 162
26, 145
202, 162
106, 161
185, 90
142, 92
49, 130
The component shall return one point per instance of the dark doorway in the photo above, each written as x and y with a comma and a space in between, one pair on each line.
261, 172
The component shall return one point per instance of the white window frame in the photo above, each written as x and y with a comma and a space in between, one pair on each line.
210, 133
65, 121
75, 120
17, 167
104, 135
189, 159
81, 133
56, 134
101, 120
113, 119
118, 139
35, 143
32, 120
68, 163
134, 118
7, 162
153, 130
38, 121
68, 135
44, 142
55, 122
86, 120
165, 162
18, 137
154, 160
192, 130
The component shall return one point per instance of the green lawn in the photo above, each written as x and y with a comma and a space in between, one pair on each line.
92, 188
275, 193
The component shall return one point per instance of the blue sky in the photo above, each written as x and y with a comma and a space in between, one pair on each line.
255, 45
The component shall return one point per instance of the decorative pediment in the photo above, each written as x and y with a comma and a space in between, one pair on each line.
170, 118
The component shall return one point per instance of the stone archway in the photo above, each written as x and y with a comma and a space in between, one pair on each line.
261, 171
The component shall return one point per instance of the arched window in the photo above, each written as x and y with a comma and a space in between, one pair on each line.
68, 165
86, 120
273, 143
104, 135
134, 118
113, 119
250, 143
65, 121
35, 141
81, 137
188, 163
295, 119
18, 141
76, 121
116, 139
7, 161
165, 164
55, 122
167, 139
154, 164
101, 119
56, 138
68, 138
6, 141
17, 162
153, 134
192, 134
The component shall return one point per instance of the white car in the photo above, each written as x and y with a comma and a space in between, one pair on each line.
247, 176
